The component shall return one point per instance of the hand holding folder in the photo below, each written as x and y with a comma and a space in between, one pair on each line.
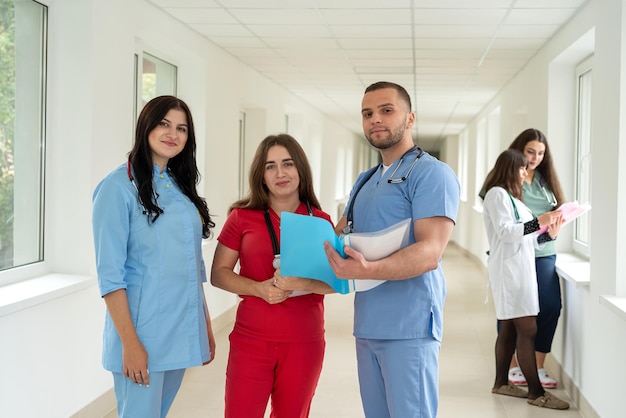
302, 249
569, 211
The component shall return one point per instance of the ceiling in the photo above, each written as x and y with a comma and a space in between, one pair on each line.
452, 56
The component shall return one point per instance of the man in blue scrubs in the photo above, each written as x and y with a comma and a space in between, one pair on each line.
398, 325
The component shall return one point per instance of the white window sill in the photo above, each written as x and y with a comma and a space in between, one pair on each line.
616, 304
574, 269
27, 293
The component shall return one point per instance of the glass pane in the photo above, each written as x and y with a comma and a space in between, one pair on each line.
157, 78
22, 86
583, 178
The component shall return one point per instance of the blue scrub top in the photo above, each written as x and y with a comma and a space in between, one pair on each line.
411, 308
159, 264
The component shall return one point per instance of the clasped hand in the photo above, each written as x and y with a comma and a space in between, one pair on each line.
553, 220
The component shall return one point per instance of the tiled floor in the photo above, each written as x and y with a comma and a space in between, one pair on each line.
466, 361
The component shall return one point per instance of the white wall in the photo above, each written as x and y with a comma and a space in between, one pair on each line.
51, 346
591, 336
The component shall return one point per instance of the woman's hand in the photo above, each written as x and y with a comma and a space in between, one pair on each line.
272, 294
554, 228
290, 282
134, 355
549, 218
135, 362
209, 329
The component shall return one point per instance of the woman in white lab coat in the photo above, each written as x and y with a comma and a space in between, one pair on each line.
513, 234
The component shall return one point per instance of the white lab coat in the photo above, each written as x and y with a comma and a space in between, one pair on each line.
511, 263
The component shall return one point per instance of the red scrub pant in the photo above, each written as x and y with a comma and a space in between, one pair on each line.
288, 372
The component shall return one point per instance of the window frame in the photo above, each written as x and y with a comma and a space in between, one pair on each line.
27, 99
584, 68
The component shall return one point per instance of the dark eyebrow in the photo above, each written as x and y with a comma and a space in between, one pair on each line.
379, 106
284, 159
170, 122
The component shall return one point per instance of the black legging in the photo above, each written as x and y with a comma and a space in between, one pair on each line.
518, 334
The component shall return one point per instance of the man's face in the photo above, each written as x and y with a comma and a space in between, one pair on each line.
386, 118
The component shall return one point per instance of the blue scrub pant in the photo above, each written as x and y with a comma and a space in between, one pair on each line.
399, 378
549, 302
147, 402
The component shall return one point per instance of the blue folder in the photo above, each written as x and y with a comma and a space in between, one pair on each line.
302, 249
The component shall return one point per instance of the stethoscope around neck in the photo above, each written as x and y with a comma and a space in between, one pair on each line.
145, 210
391, 180
270, 229
549, 196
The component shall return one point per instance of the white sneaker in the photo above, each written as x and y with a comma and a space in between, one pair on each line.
517, 377
547, 381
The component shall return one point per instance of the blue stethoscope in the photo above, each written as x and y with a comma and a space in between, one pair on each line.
350, 214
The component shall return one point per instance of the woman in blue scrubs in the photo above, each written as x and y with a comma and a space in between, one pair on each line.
148, 225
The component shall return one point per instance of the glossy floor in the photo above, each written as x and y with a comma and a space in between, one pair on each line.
466, 361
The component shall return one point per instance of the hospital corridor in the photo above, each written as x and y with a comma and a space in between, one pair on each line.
466, 361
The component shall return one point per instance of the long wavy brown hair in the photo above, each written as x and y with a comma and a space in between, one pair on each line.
258, 197
546, 168
182, 167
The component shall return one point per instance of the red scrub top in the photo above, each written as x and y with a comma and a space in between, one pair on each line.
297, 319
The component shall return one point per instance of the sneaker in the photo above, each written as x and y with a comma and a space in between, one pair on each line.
517, 377
547, 381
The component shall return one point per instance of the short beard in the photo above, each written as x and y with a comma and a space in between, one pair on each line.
394, 137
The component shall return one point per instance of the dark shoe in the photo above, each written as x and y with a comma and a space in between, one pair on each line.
549, 401
510, 390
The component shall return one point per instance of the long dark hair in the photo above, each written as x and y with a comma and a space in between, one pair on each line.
505, 173
258, 197
182, 167
546, 168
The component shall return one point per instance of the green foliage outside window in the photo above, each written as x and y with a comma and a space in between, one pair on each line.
7, 124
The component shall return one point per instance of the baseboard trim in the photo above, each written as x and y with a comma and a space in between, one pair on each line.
578, 399
105, 403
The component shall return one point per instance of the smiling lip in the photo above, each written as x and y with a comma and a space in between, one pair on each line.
170, 143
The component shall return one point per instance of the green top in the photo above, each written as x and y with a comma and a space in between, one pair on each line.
539, 198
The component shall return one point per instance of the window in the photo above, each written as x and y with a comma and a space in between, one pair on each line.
153, 77
22, 127
583, 153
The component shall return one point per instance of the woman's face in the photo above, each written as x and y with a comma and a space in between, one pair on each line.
534, 151
281, 175
169, 137
522, 174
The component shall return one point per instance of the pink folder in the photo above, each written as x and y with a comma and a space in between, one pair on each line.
570, 211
